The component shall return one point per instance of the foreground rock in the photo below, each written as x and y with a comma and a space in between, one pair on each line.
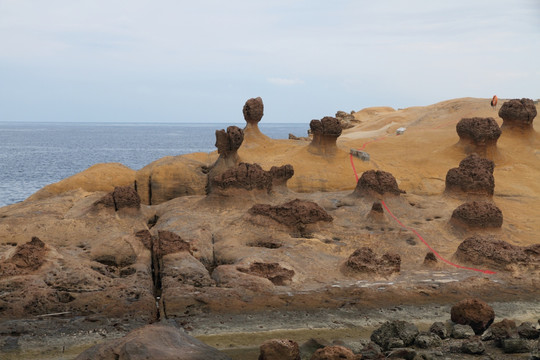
158, 341
518, 114
473, 312
376, 184
474, 176
477, 215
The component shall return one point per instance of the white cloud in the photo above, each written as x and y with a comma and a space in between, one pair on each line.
285, 82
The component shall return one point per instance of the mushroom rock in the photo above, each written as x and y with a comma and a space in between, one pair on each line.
325, 133
122, 197
478, 135
297, 214
489, 251
474, 176
473, 312
377, 183
27, 257
477, 214
280, 175
518, 114
345, 119
227, 142
274, 272
253, 112
364, 260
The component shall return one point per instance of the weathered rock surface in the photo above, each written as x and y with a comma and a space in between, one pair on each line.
325, 133
478, 135
426, 340
364, 260
279, 349
253, 110
488, 250
440, 329
473, 346
227, 143
274, 272
122, 197
157, 341
26, 258
504, 329
518, 114
243, 176
335, 352
346, 120
377, 183
385, 335
477, 214
473, 312
474, 176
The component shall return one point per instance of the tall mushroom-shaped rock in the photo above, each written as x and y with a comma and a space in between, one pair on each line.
518, 114
325, 133
474, 176
376, 184
253, 112
478, 135
227, 142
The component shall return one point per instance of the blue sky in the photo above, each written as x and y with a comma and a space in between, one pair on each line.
199, 61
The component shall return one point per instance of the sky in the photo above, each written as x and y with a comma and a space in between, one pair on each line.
199, 61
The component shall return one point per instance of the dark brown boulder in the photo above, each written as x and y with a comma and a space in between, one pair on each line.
518, 114
156, 341
27, 257
474, 176
334, 352
253, 110
473, 312
274, 272
279, 349
478, 135
296, 213
487, 250
122, 197
364, 260
377, 183
325, 133
477, 214
504, 329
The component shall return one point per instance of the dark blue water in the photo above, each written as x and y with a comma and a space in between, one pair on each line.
33, 155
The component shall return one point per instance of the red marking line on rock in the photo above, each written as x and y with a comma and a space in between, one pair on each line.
411, 229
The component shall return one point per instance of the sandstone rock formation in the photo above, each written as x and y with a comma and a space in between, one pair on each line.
430, 260
478, 135
473, 312
122, 197
280, 175
346, 120
325, 133
364, 260
474, 176
274, 272
376, 214
489, 251
279, 349
157, 341
253, 112
376, 184
296, 214
477, 214
227, 142
518, 114
26, 258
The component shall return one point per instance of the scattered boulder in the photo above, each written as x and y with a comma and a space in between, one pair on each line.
397, 329
426, 340
121, 197
462, 331
515, 346
474, 176
364, 260
477, 214
156, 341
474, 312
504, 329
478, 134
325, 133
377, 183
27, 258
487, 250
274, 272
372, 351
335, 352
528, 331
296, 213
473, 346
403, 353
518, 114
279, 349
440, 329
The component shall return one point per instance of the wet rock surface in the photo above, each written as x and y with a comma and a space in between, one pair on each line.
518, 113
364, 260
474, 176
378, 183
473, 312
478, 214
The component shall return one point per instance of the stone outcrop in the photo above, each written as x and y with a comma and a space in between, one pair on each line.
27, 258
122, 197
157, 341
274, 272
280, 175
489, 251
477, 214
296, 214
518, 114
227, 143
474, 176
165, 243
376, 184
473, 312
325, 133
364, 260
279, 349
478, 135
346, 120
395, 334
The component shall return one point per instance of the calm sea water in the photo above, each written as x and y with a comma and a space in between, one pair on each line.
33, 155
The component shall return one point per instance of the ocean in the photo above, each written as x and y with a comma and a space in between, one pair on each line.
33, 155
